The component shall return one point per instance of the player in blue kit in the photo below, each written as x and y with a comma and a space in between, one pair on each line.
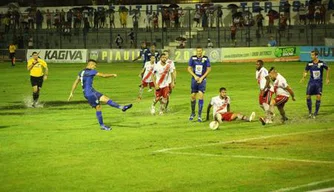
316, 68
143, 53
199, 67
154, 52
86, 77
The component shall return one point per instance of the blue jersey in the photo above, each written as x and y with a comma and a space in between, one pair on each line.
87, 76
316, 71
156, 55
199, 64
143, 53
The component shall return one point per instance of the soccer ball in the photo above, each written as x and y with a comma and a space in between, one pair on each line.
214, 125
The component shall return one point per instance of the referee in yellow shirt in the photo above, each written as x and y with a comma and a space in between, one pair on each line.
38, 73
12, 49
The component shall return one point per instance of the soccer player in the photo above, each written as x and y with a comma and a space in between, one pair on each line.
143, 53
221, 109
86, 77
146, 75
266, 90
316, 68
12, 49
38, 73
153, 51
161, 73
282, 91
199, 67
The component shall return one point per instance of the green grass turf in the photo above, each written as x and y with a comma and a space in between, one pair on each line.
60, 147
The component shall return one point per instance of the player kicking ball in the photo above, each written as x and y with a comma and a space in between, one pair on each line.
221, 109
86, 77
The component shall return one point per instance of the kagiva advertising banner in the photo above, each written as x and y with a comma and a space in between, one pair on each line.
252, 54
60, 55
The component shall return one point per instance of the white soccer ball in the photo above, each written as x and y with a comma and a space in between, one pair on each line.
214, 125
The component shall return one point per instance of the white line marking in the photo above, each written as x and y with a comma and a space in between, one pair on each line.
324, 190
240, 140
302, 186
251, 157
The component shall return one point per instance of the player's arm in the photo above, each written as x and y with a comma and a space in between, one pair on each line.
205, 74
154, 78
74, 86
304, 76
190, 70
141, 73
228, 108
106, 75
46, 69
208, 112
327, 75
288, 88
31, 64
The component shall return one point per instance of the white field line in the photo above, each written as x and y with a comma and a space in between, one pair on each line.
251, 157
240, 140
306, 185
324, 190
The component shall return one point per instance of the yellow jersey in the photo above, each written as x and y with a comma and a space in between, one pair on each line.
12, 48
37, 69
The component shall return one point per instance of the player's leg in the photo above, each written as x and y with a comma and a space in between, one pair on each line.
157, 97
164, 99
201, 91
280, 102
318, 99
240, 116
194, 91
309, 92
141, 89
100, 118
111, 103
219, 118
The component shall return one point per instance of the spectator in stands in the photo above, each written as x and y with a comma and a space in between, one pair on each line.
123, 16
286, 9
102, 15
282, 25
112, 19
31, 19
271, 17
96, 20
323, 14
86, 27
67, 32
220, 17
69, 16
39, 19
197, 17
181, 16
48, 19
135, 20
233, 34
30, 43
119, 41
131, 35
62, 16
148, 20
302, 14
165, 18
259, 21
272, 42
210, 44
311, 11
6, 22
155, 21
317, 16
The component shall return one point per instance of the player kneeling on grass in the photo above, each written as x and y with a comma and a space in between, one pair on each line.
282, 90
161, 74
146, 75
221, 109
86, 77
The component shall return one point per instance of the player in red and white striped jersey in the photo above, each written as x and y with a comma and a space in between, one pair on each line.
221, 109
146, 75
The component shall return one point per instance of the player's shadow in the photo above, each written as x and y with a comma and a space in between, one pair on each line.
47, 104
63, 103
4, 126
11, 113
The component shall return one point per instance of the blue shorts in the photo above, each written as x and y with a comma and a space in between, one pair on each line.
314, 88
94, 98
196, 87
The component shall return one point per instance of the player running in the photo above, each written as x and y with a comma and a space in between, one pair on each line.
221, 109
199, 67
86, 77
146, 75
161, 74
316, 68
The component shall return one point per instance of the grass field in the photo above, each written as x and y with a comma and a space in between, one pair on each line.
59, 146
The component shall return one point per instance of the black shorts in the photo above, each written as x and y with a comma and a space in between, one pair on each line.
11, 55
36, 81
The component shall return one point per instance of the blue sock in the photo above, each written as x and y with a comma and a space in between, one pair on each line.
193, 106
317, 106
113, 104
309, 105
99, 117
200, 106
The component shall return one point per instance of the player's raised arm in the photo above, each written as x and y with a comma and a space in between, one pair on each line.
105, 75
208, 112
74, 86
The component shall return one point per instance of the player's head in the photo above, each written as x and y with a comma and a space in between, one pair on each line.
91, 64
163, 58
143, 44
314, 55
259, 64
34, 55
152, 58
199, 51
152, 47
166, 52
222, 92
272, 73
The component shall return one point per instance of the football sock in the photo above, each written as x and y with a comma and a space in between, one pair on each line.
317, 106
141, 92
193, 105
242, 117
113, 104
99, 117
200, 107
35, 96
309, 105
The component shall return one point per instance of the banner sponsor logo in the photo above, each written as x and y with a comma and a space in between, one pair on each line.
60, 55
285, 51
325, 53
